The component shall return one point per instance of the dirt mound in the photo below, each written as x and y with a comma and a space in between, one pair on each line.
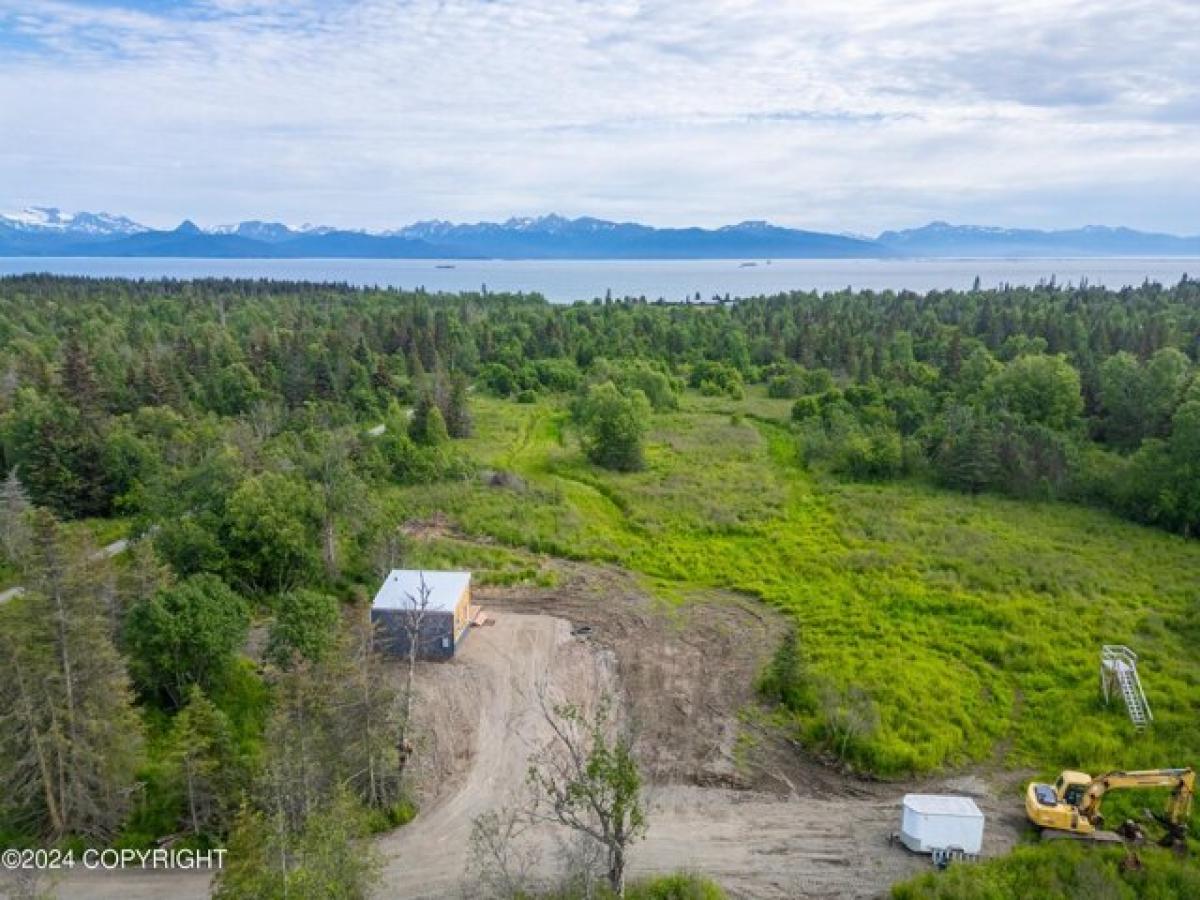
687, 675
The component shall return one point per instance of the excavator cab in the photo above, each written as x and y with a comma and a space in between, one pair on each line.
1057, 805
1071, 791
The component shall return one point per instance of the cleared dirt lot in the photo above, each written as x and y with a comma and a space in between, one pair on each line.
759, 817
762, 820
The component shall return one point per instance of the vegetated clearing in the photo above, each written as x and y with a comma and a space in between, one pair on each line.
974, 623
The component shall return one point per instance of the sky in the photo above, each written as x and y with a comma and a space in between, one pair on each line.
837, 115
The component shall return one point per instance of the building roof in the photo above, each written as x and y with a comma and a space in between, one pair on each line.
402, 588
942, 805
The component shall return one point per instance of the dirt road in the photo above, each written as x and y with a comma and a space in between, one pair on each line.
826, 836
764, 822
504, 670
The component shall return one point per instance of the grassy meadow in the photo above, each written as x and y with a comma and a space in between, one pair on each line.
973, 623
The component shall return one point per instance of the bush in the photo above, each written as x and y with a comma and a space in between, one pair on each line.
872, 454
716, 379
660, 389
786, 679
558, 374
678, 886
412, 463
185, 635
787, 382
499, 379
613, 426
805, 408
1043, 390
305, 627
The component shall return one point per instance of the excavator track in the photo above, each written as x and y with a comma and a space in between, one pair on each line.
1096, 837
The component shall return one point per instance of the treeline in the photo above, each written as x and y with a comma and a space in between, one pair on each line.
1077, 392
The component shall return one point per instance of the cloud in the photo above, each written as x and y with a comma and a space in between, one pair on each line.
819, 114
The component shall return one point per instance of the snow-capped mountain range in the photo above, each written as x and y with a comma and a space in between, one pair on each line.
48, 231
49, 218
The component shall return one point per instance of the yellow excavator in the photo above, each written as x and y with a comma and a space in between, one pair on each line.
1071, 806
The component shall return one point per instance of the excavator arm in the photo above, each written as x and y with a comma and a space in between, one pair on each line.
1071, 806
1181, 781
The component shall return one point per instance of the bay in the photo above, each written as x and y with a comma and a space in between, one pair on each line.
564, 281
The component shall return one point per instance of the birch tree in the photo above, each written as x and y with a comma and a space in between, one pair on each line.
413, 618
587, 780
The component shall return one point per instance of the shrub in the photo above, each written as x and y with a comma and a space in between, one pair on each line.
1061, 869
786, 679
614, 425
1043, 390
677, 886
716, 379
873, 454
805, 408
660, 389
185, 635
499, 379
797, 381
557, 374
305, 626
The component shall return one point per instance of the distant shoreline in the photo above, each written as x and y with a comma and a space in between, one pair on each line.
457, 260
568, 281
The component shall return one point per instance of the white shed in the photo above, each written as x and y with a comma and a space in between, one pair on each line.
939, 822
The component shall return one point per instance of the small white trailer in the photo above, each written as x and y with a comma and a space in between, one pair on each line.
941, 825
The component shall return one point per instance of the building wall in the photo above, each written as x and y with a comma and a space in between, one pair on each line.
436, 640
462, 612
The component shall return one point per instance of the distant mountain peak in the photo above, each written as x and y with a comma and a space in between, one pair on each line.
187, 226
750, 225
52, 219
550, 223
967, 241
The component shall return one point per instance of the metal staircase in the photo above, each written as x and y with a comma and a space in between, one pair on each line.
1119, 675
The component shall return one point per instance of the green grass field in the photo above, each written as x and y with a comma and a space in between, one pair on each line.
974, 623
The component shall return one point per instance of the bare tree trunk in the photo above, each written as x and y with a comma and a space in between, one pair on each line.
414, 625
64, 653
191, 789
329, 542
409, 680
616, 868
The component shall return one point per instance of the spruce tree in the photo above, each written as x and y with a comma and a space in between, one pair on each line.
68, 729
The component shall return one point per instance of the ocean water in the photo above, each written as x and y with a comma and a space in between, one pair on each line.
564, 281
